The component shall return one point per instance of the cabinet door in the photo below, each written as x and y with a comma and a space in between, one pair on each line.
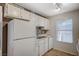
41, 21
35, 18
46, 44
41, 47
50, 43
12, 11
46, 22
25, 14
36, 51
24, 47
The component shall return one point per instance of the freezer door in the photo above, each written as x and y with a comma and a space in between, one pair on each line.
21, 29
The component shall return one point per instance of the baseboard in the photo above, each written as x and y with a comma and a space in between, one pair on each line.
47, 52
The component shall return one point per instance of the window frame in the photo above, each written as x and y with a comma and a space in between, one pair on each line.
64, 30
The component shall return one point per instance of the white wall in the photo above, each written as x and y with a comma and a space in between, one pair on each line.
66, 47
0, 30
0, 26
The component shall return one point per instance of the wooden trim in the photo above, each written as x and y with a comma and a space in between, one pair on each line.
4, 33
5, 40
5, 36
2, 4
11, 18
5, 19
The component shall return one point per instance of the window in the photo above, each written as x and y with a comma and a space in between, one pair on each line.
64, 31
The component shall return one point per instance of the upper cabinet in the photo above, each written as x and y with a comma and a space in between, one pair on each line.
34, 19
11, 11
25, 14
17, 12
50, 42
46, 23
43, 22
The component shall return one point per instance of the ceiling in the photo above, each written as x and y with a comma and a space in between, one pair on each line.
49, 9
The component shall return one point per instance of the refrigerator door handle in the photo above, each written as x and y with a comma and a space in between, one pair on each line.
24, 38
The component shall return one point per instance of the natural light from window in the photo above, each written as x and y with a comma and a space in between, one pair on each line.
64, 31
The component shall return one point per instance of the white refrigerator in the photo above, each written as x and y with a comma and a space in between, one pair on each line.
22, 38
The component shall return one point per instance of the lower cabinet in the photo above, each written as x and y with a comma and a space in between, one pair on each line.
41, 47
46, 45
50, 42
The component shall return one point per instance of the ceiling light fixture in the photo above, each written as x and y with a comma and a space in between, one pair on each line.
58, 6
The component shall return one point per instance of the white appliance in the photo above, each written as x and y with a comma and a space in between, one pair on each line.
21, 38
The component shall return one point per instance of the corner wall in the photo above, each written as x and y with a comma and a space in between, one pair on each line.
66, 47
